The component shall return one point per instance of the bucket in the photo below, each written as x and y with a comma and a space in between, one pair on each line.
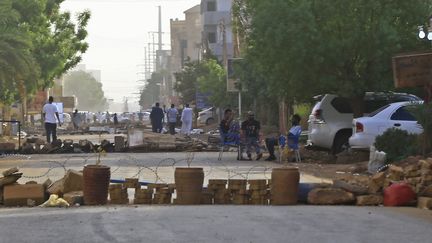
189, 185
96, 183
284, 186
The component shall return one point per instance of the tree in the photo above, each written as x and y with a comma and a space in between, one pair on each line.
307, 47
150, 93
186, 81
16, 59
212, 80
87, 90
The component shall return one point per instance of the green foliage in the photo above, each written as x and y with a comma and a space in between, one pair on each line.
213, 81
87, 90
301, 48
397, 144
423, 115
186, 80
37, 44
150, 93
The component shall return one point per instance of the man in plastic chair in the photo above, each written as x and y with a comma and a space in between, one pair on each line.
250, 133
229, 133
293, 134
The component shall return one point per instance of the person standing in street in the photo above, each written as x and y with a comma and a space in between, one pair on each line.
50, 113
172, 118
156, 118
186, 119
76, 119
250, 132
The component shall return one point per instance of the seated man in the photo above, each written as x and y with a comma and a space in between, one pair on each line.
250, 130
293, 133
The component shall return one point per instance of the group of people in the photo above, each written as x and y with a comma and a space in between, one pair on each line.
80, 118
248, 135
157, 117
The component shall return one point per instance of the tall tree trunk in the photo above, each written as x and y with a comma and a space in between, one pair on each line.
23, 96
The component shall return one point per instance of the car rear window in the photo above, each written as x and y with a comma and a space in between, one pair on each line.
342, 105
402, 115
373, 113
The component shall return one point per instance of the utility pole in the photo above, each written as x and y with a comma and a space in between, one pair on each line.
159, 52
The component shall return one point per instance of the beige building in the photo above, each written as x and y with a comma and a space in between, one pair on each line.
186, 38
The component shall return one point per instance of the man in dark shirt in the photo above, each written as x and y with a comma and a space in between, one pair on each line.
250, 132
156, 117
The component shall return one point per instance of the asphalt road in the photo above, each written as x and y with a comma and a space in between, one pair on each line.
148, 167
216, 224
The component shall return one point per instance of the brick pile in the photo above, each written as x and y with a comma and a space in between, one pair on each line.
368, 191
163, 193
239, 193
118, 194
132, 183
221, 195
143, 196
259, 192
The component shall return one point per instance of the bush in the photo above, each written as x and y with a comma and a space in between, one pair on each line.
423, 115
397, 144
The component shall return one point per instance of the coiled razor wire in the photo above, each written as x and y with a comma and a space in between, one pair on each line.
172, 162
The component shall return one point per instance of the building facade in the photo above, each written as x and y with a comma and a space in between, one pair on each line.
217, 34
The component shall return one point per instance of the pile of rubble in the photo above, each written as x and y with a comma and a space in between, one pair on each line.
368, 191
32, 194
166, 142
39, 146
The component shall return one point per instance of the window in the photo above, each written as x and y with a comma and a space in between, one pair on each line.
342, 105
372, 114
211, 37
402, 115
211, 6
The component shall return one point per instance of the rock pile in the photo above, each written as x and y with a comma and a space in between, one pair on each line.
368, 191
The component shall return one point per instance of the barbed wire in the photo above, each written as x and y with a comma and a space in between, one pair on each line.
141, 167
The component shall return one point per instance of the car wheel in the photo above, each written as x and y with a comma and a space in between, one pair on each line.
340, 143
209, 121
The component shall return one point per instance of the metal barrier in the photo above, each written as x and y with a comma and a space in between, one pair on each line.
18, 133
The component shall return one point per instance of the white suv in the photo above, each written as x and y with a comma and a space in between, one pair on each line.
330, 123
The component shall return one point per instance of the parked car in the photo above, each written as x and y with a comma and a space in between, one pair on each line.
330, 122
207, 116
396, 115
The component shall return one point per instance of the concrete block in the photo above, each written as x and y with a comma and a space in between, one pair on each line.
376, 182
7, 146
354, 188
17, 195
330, 196
119, 143
369, 200
10, 171
74, 197
396, 173
72, 181
424, 202
427, 192
11, 179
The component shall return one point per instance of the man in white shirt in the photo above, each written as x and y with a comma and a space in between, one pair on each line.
172, 118
50, 113
186, 118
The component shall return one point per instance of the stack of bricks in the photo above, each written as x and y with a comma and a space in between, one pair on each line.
131, 183
163, 193
207, 196
118, 194
143, 196
239, 194
221, 194
258, 192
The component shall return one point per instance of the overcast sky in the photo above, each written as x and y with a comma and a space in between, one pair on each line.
118, 32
